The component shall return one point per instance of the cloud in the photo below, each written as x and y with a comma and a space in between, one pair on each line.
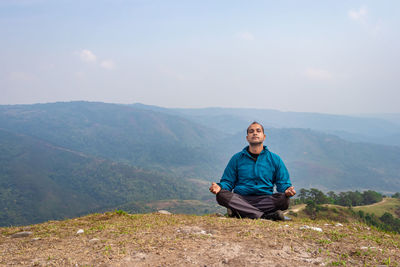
318, 74
248, 36
107, 64
87, 56
358, 15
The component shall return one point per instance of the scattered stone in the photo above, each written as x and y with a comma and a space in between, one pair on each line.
164, 212
286, 218
80, 231
93, 240
22, 234
192, 230
338, 224
310, 227
36, 239
365, 248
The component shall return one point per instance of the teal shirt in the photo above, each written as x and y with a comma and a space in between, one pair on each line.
248, 177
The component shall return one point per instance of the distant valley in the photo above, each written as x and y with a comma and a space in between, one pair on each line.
66, 159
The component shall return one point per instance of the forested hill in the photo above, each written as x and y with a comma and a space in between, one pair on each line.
65, 159
39, 182
143, 138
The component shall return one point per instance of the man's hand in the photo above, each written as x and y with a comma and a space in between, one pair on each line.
289, 192
214, 188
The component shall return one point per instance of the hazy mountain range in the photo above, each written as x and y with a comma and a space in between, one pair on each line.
373, 128
65, 159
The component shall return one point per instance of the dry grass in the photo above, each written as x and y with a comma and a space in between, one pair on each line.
120, 239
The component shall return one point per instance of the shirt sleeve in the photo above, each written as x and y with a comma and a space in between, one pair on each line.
282, 179
229, 178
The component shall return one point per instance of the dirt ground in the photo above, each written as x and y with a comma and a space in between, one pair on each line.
120, 239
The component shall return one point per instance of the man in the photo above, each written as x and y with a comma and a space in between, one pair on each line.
252, 175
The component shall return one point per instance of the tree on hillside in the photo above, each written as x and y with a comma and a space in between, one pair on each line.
371, 197
303, 195
344, 199
396, 195
332, 197
318, 196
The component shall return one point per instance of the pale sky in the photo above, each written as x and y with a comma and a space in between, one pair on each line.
313, 56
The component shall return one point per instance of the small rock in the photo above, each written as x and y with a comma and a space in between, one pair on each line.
338, 224
94, 240
365, 248
316, 229
80, 231
312, 228
36, 239
164, 212
193, 230
21, 234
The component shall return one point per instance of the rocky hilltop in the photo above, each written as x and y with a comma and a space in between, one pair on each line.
121, 239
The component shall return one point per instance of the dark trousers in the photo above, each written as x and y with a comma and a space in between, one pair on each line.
252, 207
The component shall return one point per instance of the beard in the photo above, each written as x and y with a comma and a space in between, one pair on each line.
255, 143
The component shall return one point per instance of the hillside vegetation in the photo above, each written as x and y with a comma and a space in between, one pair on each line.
40, 182
390, 205
62, 160
121, 239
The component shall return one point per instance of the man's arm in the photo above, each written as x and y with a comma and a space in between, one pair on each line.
228, 179
282, 180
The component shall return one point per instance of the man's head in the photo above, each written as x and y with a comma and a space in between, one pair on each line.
255, 134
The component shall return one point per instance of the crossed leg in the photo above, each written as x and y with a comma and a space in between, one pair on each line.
252, 207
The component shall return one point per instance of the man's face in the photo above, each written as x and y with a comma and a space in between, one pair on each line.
255, 135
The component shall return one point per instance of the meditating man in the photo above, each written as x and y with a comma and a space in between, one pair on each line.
252, 174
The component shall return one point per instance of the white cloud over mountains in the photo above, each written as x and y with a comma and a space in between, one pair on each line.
88, 56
